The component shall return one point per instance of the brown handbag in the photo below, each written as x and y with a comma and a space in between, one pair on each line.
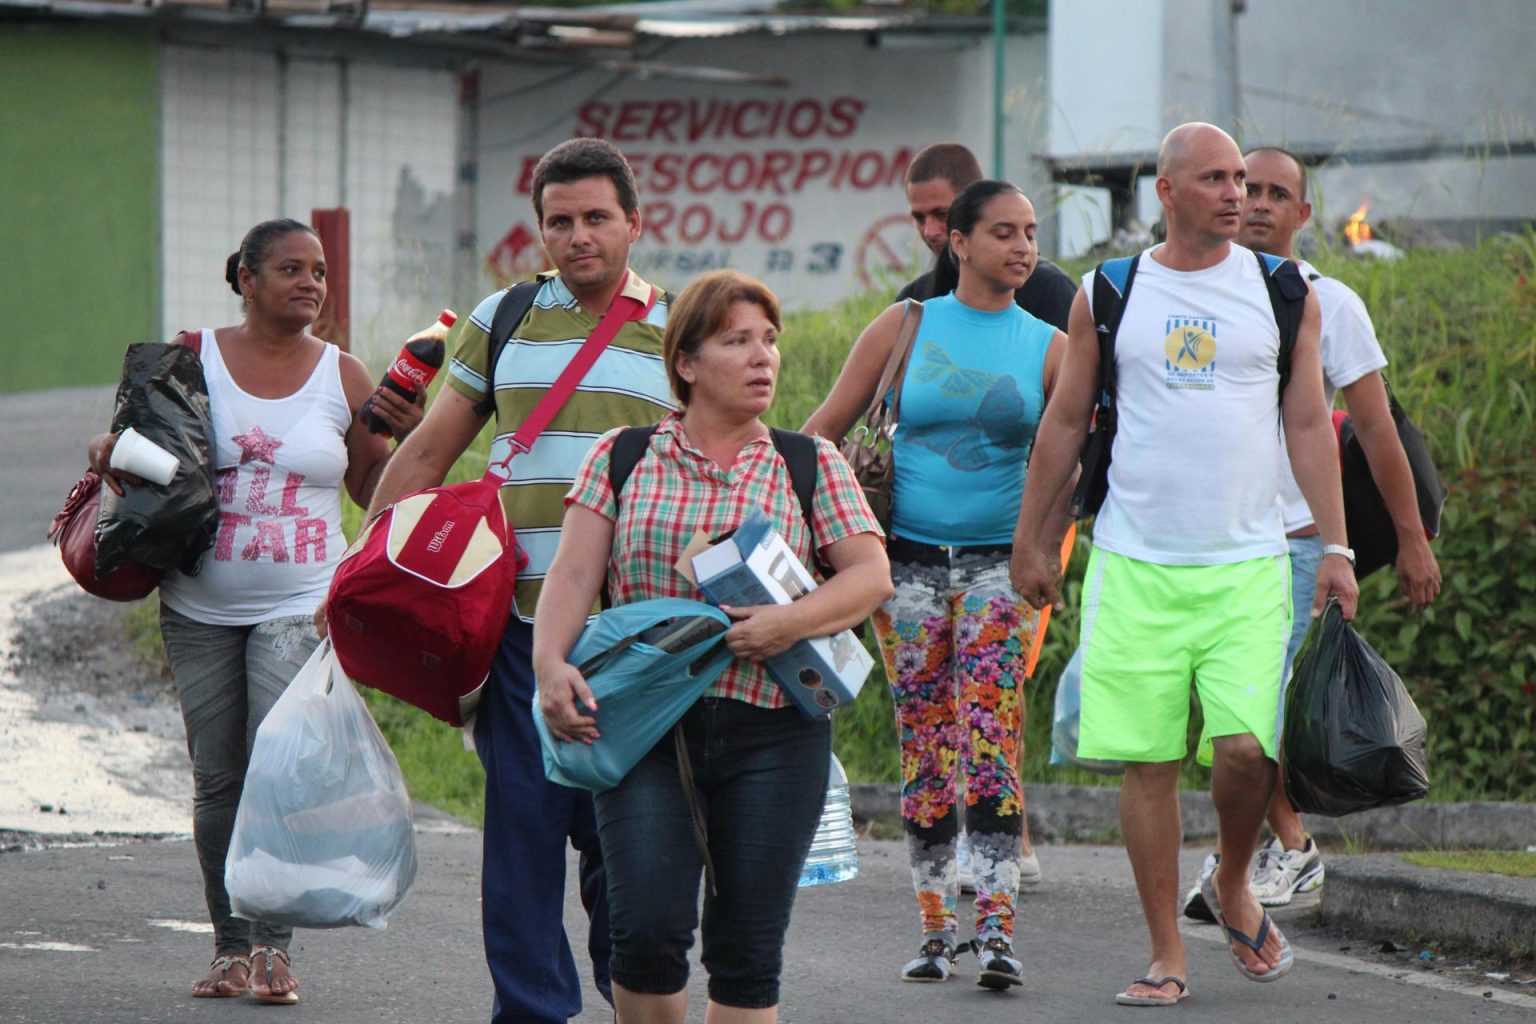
868, 448
73, 531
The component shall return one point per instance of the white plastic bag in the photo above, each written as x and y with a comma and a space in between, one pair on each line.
1067, 717
323, 837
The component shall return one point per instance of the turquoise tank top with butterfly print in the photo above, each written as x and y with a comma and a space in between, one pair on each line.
970, 404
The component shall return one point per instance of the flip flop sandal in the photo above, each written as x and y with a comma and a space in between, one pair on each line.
222, 964
1126, 999
277, 998
1275, 973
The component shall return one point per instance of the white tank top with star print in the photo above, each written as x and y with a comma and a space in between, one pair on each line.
279, 464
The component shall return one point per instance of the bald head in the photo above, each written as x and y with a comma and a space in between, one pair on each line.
1200, 178
1178, 145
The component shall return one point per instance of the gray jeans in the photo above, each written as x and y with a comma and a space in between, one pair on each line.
227, 679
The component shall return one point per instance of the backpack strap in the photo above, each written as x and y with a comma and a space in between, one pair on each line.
797, 450
515, 303
1288, 297
799, 454
628, 449
1111, 291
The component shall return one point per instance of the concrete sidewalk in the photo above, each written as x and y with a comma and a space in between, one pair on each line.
1375, 893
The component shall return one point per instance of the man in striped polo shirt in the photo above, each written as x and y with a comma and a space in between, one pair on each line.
586, 201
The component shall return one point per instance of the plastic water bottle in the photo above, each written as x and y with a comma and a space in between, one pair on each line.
833, 856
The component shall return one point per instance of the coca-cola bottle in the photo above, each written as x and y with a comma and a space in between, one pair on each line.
418, 362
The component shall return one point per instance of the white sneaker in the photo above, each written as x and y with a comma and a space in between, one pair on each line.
1029, 871
963, 862
1195, 907
1279, 874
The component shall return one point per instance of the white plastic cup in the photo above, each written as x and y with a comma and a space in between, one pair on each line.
138, 456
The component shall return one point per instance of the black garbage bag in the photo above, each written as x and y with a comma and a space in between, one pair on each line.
1353, 737
162, 395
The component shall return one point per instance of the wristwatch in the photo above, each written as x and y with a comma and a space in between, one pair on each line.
1340, 549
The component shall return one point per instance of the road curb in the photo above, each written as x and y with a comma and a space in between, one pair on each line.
1078, 814
1387, 898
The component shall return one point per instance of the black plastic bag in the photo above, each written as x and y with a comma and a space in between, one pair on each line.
1353, 737
163, 396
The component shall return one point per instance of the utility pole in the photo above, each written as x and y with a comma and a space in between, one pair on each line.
999, 37
1228, 85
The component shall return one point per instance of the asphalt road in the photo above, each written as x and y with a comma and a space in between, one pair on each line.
112, 935
42, 453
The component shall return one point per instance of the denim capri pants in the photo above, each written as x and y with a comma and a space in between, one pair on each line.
760, 776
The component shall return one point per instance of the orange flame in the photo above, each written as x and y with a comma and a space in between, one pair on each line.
1356, 229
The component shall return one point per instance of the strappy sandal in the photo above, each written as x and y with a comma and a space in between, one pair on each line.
224, 988
278, 998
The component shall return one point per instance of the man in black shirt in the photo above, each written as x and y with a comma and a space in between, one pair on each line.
937, 175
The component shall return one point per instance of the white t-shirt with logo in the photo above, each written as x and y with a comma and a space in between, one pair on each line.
1195, 471
279, 463
1350, 351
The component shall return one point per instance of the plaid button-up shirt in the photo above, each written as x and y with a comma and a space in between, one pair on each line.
676, 490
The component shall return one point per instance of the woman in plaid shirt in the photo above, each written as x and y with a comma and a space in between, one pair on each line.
759, 765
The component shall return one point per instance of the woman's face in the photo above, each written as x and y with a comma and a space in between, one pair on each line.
1001, 247
735, 370
290, 286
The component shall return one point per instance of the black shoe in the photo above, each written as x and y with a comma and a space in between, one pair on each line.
999, 969
935, 960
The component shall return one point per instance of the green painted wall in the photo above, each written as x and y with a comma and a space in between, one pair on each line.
79, 201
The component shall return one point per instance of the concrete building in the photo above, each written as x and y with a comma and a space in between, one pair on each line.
1421, 107
146, 140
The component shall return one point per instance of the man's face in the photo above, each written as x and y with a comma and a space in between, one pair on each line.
587, 234
1275, 208
1203, 193
930, 202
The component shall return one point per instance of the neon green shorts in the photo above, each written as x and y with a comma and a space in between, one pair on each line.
1148, 630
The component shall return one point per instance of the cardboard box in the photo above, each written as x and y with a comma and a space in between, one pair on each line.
755, 566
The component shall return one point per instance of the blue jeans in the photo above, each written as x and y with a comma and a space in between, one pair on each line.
1306, 556
761, 779
227, 679
528, 820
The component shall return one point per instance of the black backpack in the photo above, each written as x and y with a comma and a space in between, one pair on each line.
797, 450
1112, 281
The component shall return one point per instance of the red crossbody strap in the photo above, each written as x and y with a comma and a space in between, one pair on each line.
623, 309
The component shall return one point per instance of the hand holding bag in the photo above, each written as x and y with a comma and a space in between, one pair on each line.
1353, 737
421, 597
868, 449
647, 663
170, 391
323, 837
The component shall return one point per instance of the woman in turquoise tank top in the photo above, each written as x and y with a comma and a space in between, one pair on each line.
956, 637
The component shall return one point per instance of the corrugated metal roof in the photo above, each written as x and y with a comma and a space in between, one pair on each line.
601, 36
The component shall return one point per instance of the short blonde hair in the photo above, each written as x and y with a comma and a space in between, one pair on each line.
704, 309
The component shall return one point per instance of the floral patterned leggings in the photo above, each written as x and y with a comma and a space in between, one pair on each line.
955, 638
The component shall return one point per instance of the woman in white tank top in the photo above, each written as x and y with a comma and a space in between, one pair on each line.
238, 628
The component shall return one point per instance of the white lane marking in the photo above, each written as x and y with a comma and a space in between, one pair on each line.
49, 947
1205, 933
196, 927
